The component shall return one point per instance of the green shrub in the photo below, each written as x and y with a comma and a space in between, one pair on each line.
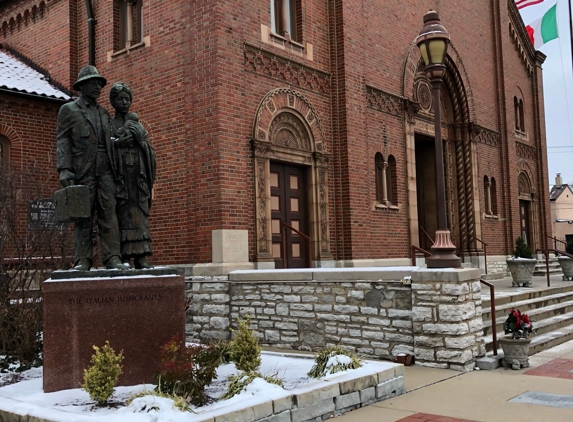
322, 366
569, 247
245, 349
238, 382
224, 349
102, 376
521, 249
185, 371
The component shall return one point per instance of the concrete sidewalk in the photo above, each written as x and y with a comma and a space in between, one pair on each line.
482, 395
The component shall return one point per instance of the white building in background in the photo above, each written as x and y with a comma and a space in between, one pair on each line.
561, 204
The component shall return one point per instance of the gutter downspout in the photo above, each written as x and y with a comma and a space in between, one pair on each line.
91, 32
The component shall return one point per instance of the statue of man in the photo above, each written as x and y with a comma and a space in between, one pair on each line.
86, 156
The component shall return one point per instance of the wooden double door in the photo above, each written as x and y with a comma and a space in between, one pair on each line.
289, 204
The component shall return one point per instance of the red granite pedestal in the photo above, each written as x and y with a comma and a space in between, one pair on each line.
135, 314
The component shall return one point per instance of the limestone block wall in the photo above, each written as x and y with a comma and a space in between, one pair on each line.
497, 265
447, 320
376, 313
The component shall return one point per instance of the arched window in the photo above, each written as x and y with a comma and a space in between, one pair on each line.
521, 117
381, 194
391, 180
128, 23
493, 197
286, 18
386, 187
490, 196
487, 194
4, 153
516, 113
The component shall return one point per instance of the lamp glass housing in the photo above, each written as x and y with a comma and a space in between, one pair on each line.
424, 53
437, 49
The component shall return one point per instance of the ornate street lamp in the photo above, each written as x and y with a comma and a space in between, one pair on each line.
433, 43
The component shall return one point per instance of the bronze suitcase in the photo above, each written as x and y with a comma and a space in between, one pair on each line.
72, 203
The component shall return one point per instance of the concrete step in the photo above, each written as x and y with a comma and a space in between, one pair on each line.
489, 277
541, 267
542, 272
542, 326
520, 295
541, 307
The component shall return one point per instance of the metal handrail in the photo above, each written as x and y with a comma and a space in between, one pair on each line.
286, 226
427, 235
471, 236
545, 253
415, 249
492, 311
555, 240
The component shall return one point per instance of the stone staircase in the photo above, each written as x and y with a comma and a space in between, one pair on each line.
541, 268
551, 310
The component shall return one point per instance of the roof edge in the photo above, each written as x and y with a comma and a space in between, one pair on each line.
28, 62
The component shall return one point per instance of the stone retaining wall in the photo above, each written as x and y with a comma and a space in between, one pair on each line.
368, 311
319, 401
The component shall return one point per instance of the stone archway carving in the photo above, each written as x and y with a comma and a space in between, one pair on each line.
287, 128
459, 146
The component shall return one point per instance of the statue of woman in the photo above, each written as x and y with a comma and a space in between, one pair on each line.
136, 174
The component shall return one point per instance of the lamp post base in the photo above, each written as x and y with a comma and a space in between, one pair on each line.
443, 255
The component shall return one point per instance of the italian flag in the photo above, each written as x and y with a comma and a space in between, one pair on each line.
543, 30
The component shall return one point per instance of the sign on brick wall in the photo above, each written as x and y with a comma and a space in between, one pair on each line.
41, 214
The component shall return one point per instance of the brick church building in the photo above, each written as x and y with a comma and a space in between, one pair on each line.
312, 113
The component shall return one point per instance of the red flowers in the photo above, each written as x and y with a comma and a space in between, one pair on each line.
517, 324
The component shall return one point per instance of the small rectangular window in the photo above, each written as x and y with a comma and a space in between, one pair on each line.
128, 23
286, 18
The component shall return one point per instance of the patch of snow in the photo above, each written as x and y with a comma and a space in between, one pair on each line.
338, 359
74, 405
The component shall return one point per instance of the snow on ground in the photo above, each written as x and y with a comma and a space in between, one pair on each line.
27, 396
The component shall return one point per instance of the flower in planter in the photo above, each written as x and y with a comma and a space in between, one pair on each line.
518, 325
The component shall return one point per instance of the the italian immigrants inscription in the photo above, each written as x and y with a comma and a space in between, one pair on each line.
115, 299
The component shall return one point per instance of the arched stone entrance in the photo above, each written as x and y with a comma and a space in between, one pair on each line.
287, 135
460, 149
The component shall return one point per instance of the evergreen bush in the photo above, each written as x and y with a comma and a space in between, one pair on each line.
102, 376
185, 371
330, 361
245, 348
522, 250
569, 247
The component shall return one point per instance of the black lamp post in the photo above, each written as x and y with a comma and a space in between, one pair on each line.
433, 43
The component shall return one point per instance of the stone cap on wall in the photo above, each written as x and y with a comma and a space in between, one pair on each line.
324, 274
424, 275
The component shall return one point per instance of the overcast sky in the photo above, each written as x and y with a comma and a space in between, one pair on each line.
558, 90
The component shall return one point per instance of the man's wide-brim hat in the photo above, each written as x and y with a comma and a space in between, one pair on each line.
87, 73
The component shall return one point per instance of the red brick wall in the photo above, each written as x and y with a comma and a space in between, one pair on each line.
28, 126
192, 89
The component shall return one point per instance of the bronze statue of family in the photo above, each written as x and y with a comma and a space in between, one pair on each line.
112, 156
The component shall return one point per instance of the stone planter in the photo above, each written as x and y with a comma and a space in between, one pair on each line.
521, 270
567, 267
515, 352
